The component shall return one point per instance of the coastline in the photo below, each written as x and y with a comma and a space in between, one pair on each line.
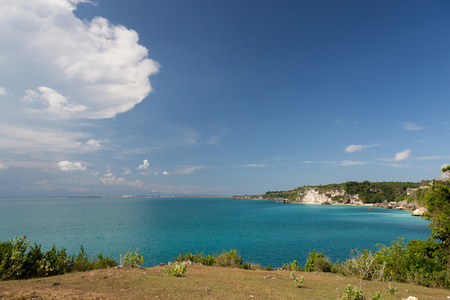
414, 208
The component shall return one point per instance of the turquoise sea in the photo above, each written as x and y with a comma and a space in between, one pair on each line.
262, 231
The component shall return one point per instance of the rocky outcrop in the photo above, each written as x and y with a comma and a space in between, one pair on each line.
419, 212
314, 196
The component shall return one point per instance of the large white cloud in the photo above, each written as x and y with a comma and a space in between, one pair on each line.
68, 67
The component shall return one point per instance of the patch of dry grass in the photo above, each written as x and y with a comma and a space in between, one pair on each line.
201, 282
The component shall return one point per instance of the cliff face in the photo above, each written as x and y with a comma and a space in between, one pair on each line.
314, 196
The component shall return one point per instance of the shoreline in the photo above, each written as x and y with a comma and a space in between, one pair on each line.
417, 211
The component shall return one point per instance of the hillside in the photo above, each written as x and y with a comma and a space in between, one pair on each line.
201, 282
407, 195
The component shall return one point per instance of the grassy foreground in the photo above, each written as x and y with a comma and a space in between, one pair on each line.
202, 282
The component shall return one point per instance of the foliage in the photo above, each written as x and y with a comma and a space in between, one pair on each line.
438, 205
13, 258
368, 192
317, 262
298, 280
392, 290
199, 258
175, 270
377, 296
293, 266
19, 260
353, 294
228, 259
377, 192
290, 195
225, 259
446, 170
420, 262
131, 259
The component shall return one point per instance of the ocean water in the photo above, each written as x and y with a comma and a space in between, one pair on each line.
264, 232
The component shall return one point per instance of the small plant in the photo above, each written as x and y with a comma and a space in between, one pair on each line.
377, 296
131, 259
175, 270
392, 290
298, 280
353, 294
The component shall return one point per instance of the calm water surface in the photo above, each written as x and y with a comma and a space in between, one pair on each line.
263, 231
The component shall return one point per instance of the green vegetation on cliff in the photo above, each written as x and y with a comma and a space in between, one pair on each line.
368, 192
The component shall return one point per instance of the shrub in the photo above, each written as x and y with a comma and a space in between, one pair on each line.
298, 280
317, 262
104, 262
228, 259
197, 258
175, 270
420, 262
293, 266
17, 262
131, 259
355, 294
13, 258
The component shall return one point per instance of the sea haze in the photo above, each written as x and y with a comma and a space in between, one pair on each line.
264, 232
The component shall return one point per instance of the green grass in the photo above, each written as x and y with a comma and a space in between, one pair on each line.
202, 282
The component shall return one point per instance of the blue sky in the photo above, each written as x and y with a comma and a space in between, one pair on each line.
143, 97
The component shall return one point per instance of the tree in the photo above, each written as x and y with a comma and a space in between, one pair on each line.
438, 205
446, 170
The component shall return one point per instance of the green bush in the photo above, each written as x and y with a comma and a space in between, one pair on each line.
293, 266
175, 270
13, 258
353, 294
317, 262
420, 262
19, 261
131, 259
199, 258
299, 281
228, 259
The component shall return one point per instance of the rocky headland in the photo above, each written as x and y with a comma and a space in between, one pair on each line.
389, 195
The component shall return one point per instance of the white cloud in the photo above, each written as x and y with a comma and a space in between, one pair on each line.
165, 173
354, 148
255, 165
350, 163
3, 166
188, 170
403, 155
3, 91
126, 171
338, 163
93, 144
412, 126
98, 69
56, 105
19, 139
66, 165
145, 164
433, 157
